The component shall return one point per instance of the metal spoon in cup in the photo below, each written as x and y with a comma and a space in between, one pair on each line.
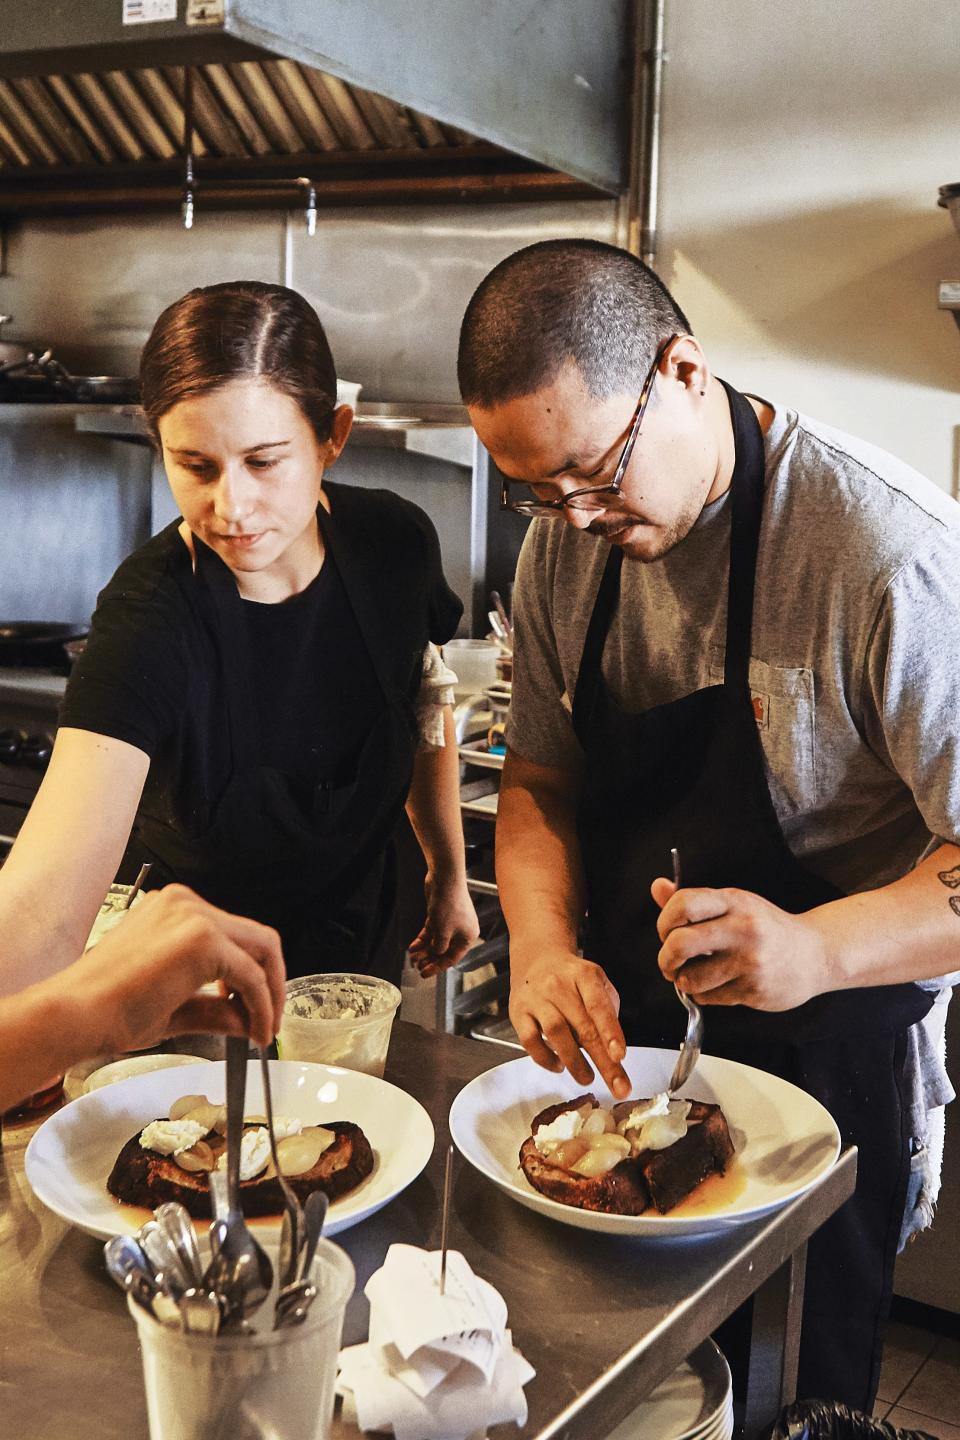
240, 1272
295, 1299
292, 1231
132, 1271
176, 1224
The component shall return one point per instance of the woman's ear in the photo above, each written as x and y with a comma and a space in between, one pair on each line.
339, 431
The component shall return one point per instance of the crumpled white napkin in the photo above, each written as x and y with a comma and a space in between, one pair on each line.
436, 1367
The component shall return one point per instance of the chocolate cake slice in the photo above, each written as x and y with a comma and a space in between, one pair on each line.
705, 1150
661, 1178
145, 1177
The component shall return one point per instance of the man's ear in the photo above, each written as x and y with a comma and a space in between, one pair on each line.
686, 364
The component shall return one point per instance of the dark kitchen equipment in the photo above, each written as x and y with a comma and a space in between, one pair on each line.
13, 352
37, 642
43, 380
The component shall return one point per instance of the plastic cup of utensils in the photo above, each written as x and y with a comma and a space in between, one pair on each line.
339, 1020
249, 1385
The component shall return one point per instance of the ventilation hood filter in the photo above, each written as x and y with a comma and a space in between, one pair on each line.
547, 81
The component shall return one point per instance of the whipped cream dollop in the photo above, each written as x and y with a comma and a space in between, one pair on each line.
567, 1126
254, 1153
655, 1124
169, 1137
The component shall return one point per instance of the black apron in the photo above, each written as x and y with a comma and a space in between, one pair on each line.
691, 774
322, 874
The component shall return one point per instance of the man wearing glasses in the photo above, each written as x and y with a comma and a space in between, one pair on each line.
736, 634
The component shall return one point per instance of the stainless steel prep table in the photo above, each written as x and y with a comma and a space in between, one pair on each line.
602, 1319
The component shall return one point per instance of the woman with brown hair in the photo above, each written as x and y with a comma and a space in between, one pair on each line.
247, 700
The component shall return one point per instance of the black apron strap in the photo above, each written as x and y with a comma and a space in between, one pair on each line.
746, 499
608, 595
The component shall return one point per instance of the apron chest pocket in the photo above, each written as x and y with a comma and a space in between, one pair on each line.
785, 711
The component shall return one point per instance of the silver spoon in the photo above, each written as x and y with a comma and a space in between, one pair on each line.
239, 1273
200, 1312
292, 1232
132, 1271
178, 1228
296, 1293
693, 1040
293, 1304
314, 1215
163, 1256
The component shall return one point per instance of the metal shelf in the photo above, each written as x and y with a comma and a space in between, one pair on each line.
478, 752
437, 430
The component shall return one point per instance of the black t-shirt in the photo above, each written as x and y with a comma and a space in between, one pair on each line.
317, 691
152, 675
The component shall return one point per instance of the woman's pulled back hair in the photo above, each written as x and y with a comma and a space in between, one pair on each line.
561, 301
237, 331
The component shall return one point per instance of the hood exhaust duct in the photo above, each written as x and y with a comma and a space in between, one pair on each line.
547, 81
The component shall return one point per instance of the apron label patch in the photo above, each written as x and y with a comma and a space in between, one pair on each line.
761, 709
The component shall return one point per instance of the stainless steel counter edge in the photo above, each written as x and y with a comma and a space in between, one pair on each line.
614, 1394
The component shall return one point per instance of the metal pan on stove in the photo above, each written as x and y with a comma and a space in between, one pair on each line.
37, 642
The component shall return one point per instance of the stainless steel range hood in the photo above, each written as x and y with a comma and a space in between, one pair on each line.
547, 80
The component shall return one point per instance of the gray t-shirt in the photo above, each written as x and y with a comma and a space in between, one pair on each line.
855, 654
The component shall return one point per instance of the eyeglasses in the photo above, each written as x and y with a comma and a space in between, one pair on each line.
588, 498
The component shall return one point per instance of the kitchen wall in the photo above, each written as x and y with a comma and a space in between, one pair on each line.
390, 285
803, 148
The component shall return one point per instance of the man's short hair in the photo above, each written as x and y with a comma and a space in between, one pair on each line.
560, 301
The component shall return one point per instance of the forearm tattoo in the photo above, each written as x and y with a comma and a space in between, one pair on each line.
951, 878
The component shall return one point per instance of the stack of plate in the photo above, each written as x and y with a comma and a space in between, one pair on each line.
694, 1403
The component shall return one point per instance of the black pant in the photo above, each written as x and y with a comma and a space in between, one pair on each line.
850, 1260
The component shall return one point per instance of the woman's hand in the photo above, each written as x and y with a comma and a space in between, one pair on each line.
450, 929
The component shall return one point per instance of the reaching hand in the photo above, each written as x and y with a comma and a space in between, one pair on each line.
731, 947
140, 983
561, 1005
450, 929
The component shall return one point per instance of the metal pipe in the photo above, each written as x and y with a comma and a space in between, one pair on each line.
644, 190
